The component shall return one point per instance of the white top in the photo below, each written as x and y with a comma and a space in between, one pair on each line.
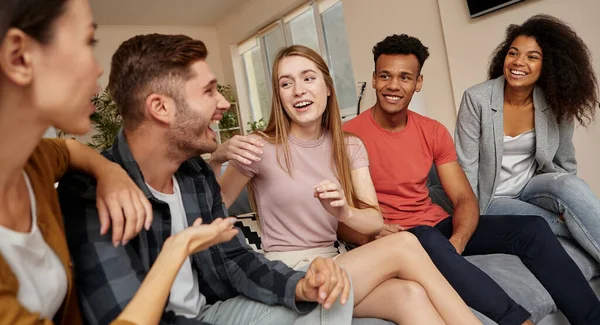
185, 299
42, 277
518, 164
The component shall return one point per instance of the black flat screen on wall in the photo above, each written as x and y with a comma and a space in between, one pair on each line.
481, 7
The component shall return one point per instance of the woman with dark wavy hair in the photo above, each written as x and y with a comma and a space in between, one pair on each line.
514, 133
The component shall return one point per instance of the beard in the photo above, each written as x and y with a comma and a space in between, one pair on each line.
186, 135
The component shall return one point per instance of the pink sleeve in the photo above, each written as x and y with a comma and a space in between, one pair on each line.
248, 170
444, 150
357, 153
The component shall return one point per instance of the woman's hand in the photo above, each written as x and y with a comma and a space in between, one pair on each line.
333, 200
200, 236
120, 201
241, 148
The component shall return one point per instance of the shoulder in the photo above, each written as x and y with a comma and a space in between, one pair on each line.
483, 91
424, 122
352, 139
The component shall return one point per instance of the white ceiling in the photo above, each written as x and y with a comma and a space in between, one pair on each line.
164, 12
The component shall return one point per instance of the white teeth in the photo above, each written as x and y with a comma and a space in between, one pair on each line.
302, 104
214, 121
392, 97
517, 72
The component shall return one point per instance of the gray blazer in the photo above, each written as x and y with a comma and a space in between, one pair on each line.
479, 138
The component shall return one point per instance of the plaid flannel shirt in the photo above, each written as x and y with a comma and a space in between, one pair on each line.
107, 277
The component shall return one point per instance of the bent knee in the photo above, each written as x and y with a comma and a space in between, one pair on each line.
412, 291
405, 239
561, 181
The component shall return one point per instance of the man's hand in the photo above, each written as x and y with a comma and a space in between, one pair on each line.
120, 201
459, 243
323, 283
389, 229
241, 148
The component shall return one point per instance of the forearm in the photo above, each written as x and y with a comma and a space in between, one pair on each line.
465, 219
155, 288
365, 221
352, 236
85, 159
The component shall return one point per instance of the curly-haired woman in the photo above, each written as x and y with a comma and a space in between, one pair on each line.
514, 133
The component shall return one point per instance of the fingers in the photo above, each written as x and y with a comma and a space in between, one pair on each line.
326, 186
324, 269
391, 228
336, 284
103, 216
116, 216
347, 286
147, 210
130, 215
140, 213
245, 149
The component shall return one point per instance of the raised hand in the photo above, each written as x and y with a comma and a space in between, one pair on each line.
241, 148
333, 199
200, 236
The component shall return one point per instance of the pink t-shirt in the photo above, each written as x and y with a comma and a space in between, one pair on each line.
291, 218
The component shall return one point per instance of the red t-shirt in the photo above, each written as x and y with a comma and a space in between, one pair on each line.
400, 163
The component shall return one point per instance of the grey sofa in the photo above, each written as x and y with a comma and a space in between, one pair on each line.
506, 270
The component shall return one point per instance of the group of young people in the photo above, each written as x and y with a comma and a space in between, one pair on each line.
139, 234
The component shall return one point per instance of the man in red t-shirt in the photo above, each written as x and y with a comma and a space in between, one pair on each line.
402, 146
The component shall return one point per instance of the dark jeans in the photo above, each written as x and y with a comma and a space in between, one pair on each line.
529, 238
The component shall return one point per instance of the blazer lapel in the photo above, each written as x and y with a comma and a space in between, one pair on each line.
541, 126
497, 107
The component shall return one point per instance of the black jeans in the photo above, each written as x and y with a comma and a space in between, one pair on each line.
529, 238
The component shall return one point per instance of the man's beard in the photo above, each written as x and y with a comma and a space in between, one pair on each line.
184, 136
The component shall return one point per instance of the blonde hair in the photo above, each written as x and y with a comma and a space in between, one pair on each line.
278, 127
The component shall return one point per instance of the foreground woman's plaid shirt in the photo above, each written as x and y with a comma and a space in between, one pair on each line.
108, 277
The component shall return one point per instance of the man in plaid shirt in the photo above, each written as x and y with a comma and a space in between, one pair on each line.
167, 97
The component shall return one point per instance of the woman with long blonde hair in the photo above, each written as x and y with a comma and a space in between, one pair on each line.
307, 176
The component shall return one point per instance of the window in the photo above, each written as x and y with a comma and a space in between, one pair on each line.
318, 25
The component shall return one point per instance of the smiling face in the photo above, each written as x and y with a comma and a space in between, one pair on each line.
302, 90
395, 80
201, 104
523, 62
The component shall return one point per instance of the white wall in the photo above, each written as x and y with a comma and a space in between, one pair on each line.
365, 25
469, 43
110, 37
370, 22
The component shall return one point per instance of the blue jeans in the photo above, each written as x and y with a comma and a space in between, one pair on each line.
551, 195
244, 311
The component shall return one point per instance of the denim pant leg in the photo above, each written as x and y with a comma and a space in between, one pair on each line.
530, 238
506, 206
475, 287
244, 311
570, 196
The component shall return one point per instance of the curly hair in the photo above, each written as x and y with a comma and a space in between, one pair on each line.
401, 44
567, 78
